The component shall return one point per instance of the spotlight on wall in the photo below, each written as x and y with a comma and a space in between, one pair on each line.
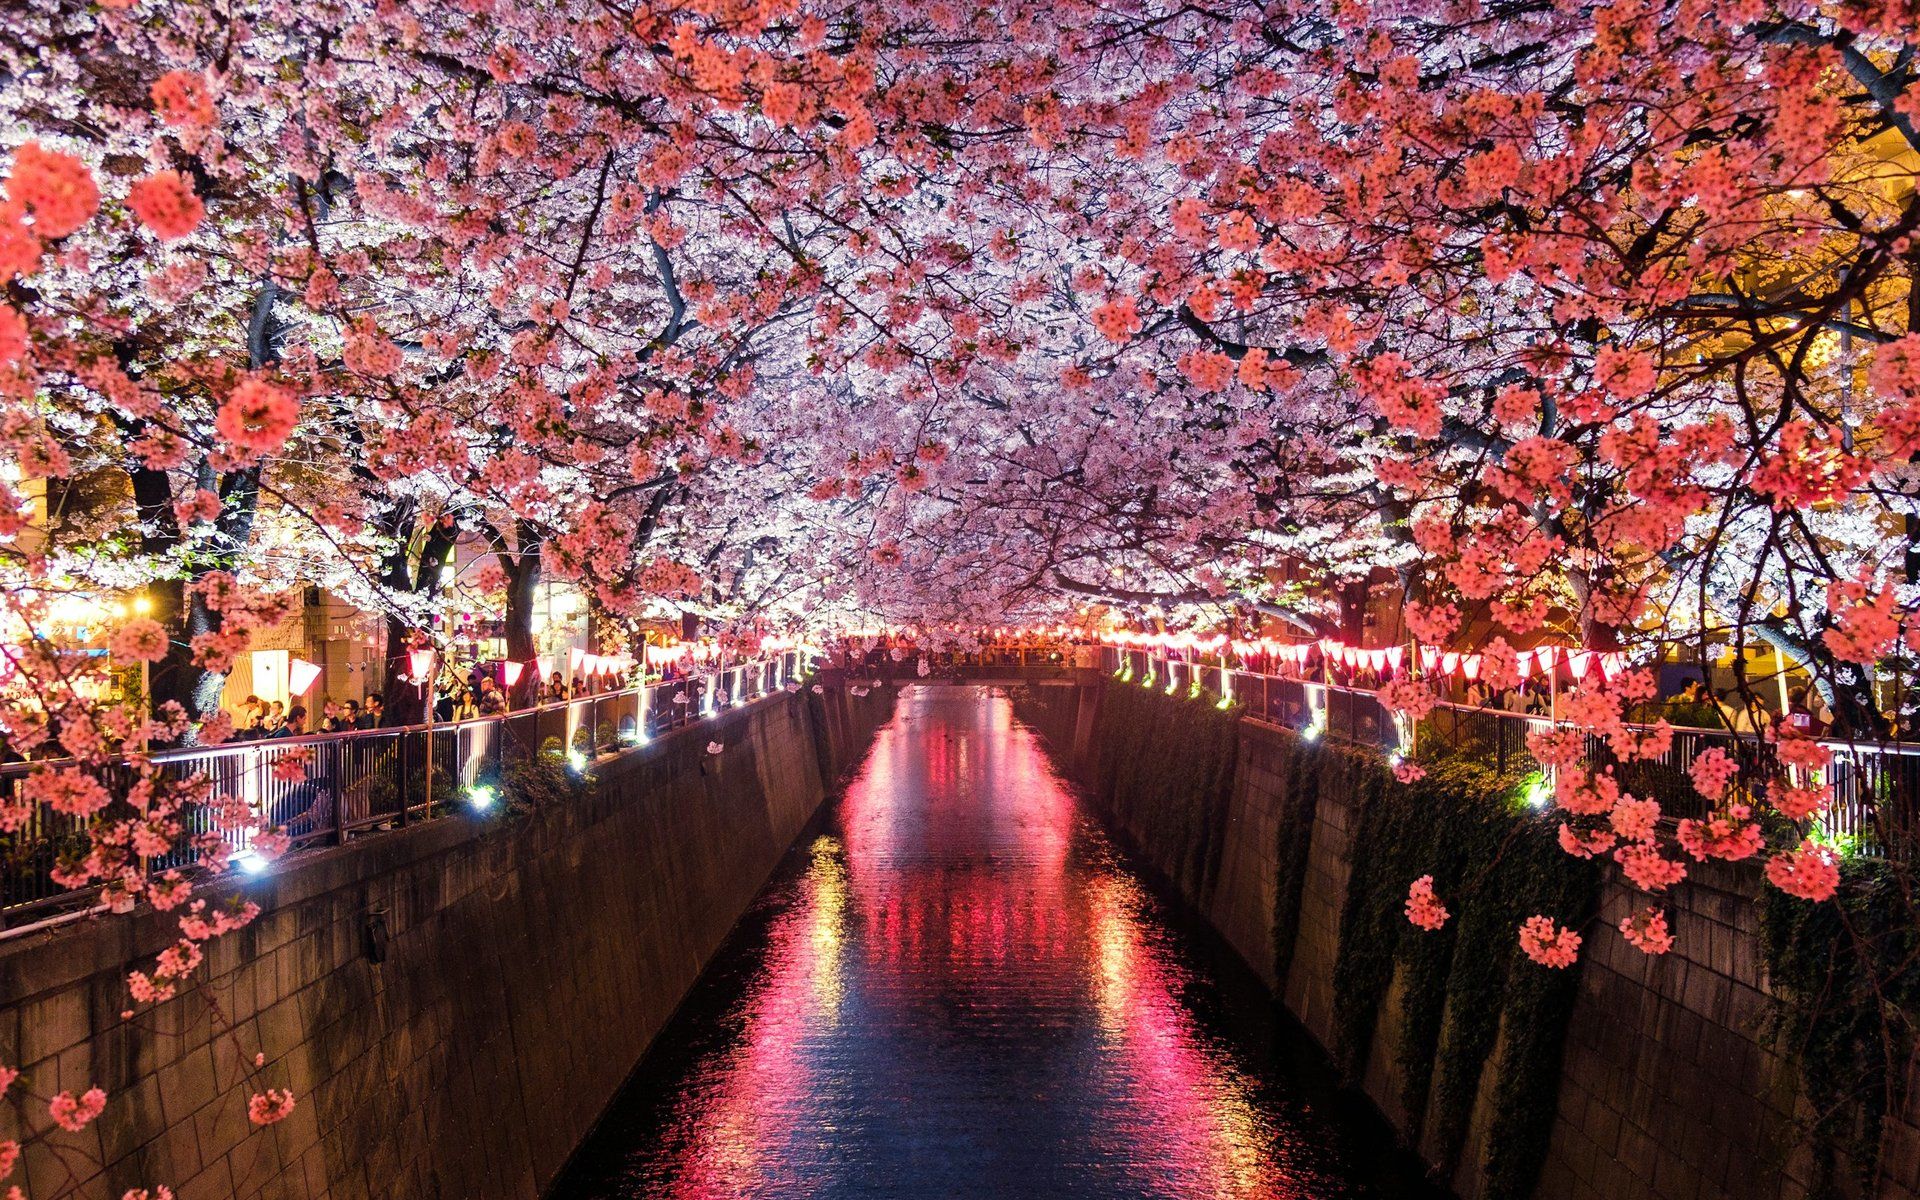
1535, 791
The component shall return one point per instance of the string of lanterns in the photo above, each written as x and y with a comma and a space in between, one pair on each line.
1433, 660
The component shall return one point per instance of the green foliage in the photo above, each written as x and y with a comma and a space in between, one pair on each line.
533, 780
1293, 840
1846, 988
400, 772
1051, 711
1464, 991
1164, 769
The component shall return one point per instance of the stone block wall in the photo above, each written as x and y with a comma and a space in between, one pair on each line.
1669, 1086
453, 1004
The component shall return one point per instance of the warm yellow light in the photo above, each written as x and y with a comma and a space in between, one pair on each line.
142, 605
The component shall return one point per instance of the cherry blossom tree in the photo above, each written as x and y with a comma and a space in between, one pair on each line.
1595, 322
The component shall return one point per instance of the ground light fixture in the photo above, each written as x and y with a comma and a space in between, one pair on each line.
1536, 790
250, 862
577, 761
482, 796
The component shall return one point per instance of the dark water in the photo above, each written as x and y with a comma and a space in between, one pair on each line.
959, 989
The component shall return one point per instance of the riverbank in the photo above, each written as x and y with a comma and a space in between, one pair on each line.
452, 1004
1625, 1078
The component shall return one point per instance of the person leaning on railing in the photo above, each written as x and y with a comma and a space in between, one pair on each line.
348, 717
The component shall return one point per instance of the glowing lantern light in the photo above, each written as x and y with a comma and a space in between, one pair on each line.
575, 658
1470, 665
300, 676
1580, 662
1449, 663
512, 671
420, 662
1523, 663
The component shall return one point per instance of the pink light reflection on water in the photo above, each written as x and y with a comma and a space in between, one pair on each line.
967, 996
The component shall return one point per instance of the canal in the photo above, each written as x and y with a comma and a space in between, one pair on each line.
957, 987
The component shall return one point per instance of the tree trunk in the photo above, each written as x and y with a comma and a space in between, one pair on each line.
523, 589
407, 703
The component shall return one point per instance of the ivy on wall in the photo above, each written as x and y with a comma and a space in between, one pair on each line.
1467, 1001
531, 781
1163, 767
1298, 802
1846, 986
1050, 710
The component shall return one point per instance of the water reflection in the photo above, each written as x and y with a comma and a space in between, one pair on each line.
959, 990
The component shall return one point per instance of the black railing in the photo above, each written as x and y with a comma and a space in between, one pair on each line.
364, 781
1876, 787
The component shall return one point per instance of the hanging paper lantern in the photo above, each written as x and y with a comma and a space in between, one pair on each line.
1377, 660
1523, 663
1394, 655
1613, 663
420, 662
300, 676
512, 671
1449, 662
1548, 656
1429, 659
1580, 662
575, 657
1470, 665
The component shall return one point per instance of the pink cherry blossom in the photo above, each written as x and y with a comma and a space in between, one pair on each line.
1646, 931
165, 203
270, 1107
1423, 908
1811, 872
74, 1114
1549, 944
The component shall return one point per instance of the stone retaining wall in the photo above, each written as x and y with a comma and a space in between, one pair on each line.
453, 1004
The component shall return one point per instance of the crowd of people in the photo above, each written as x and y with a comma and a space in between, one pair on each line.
478, 693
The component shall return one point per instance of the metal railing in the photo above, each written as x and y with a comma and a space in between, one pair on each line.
362, 781
1876, 786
